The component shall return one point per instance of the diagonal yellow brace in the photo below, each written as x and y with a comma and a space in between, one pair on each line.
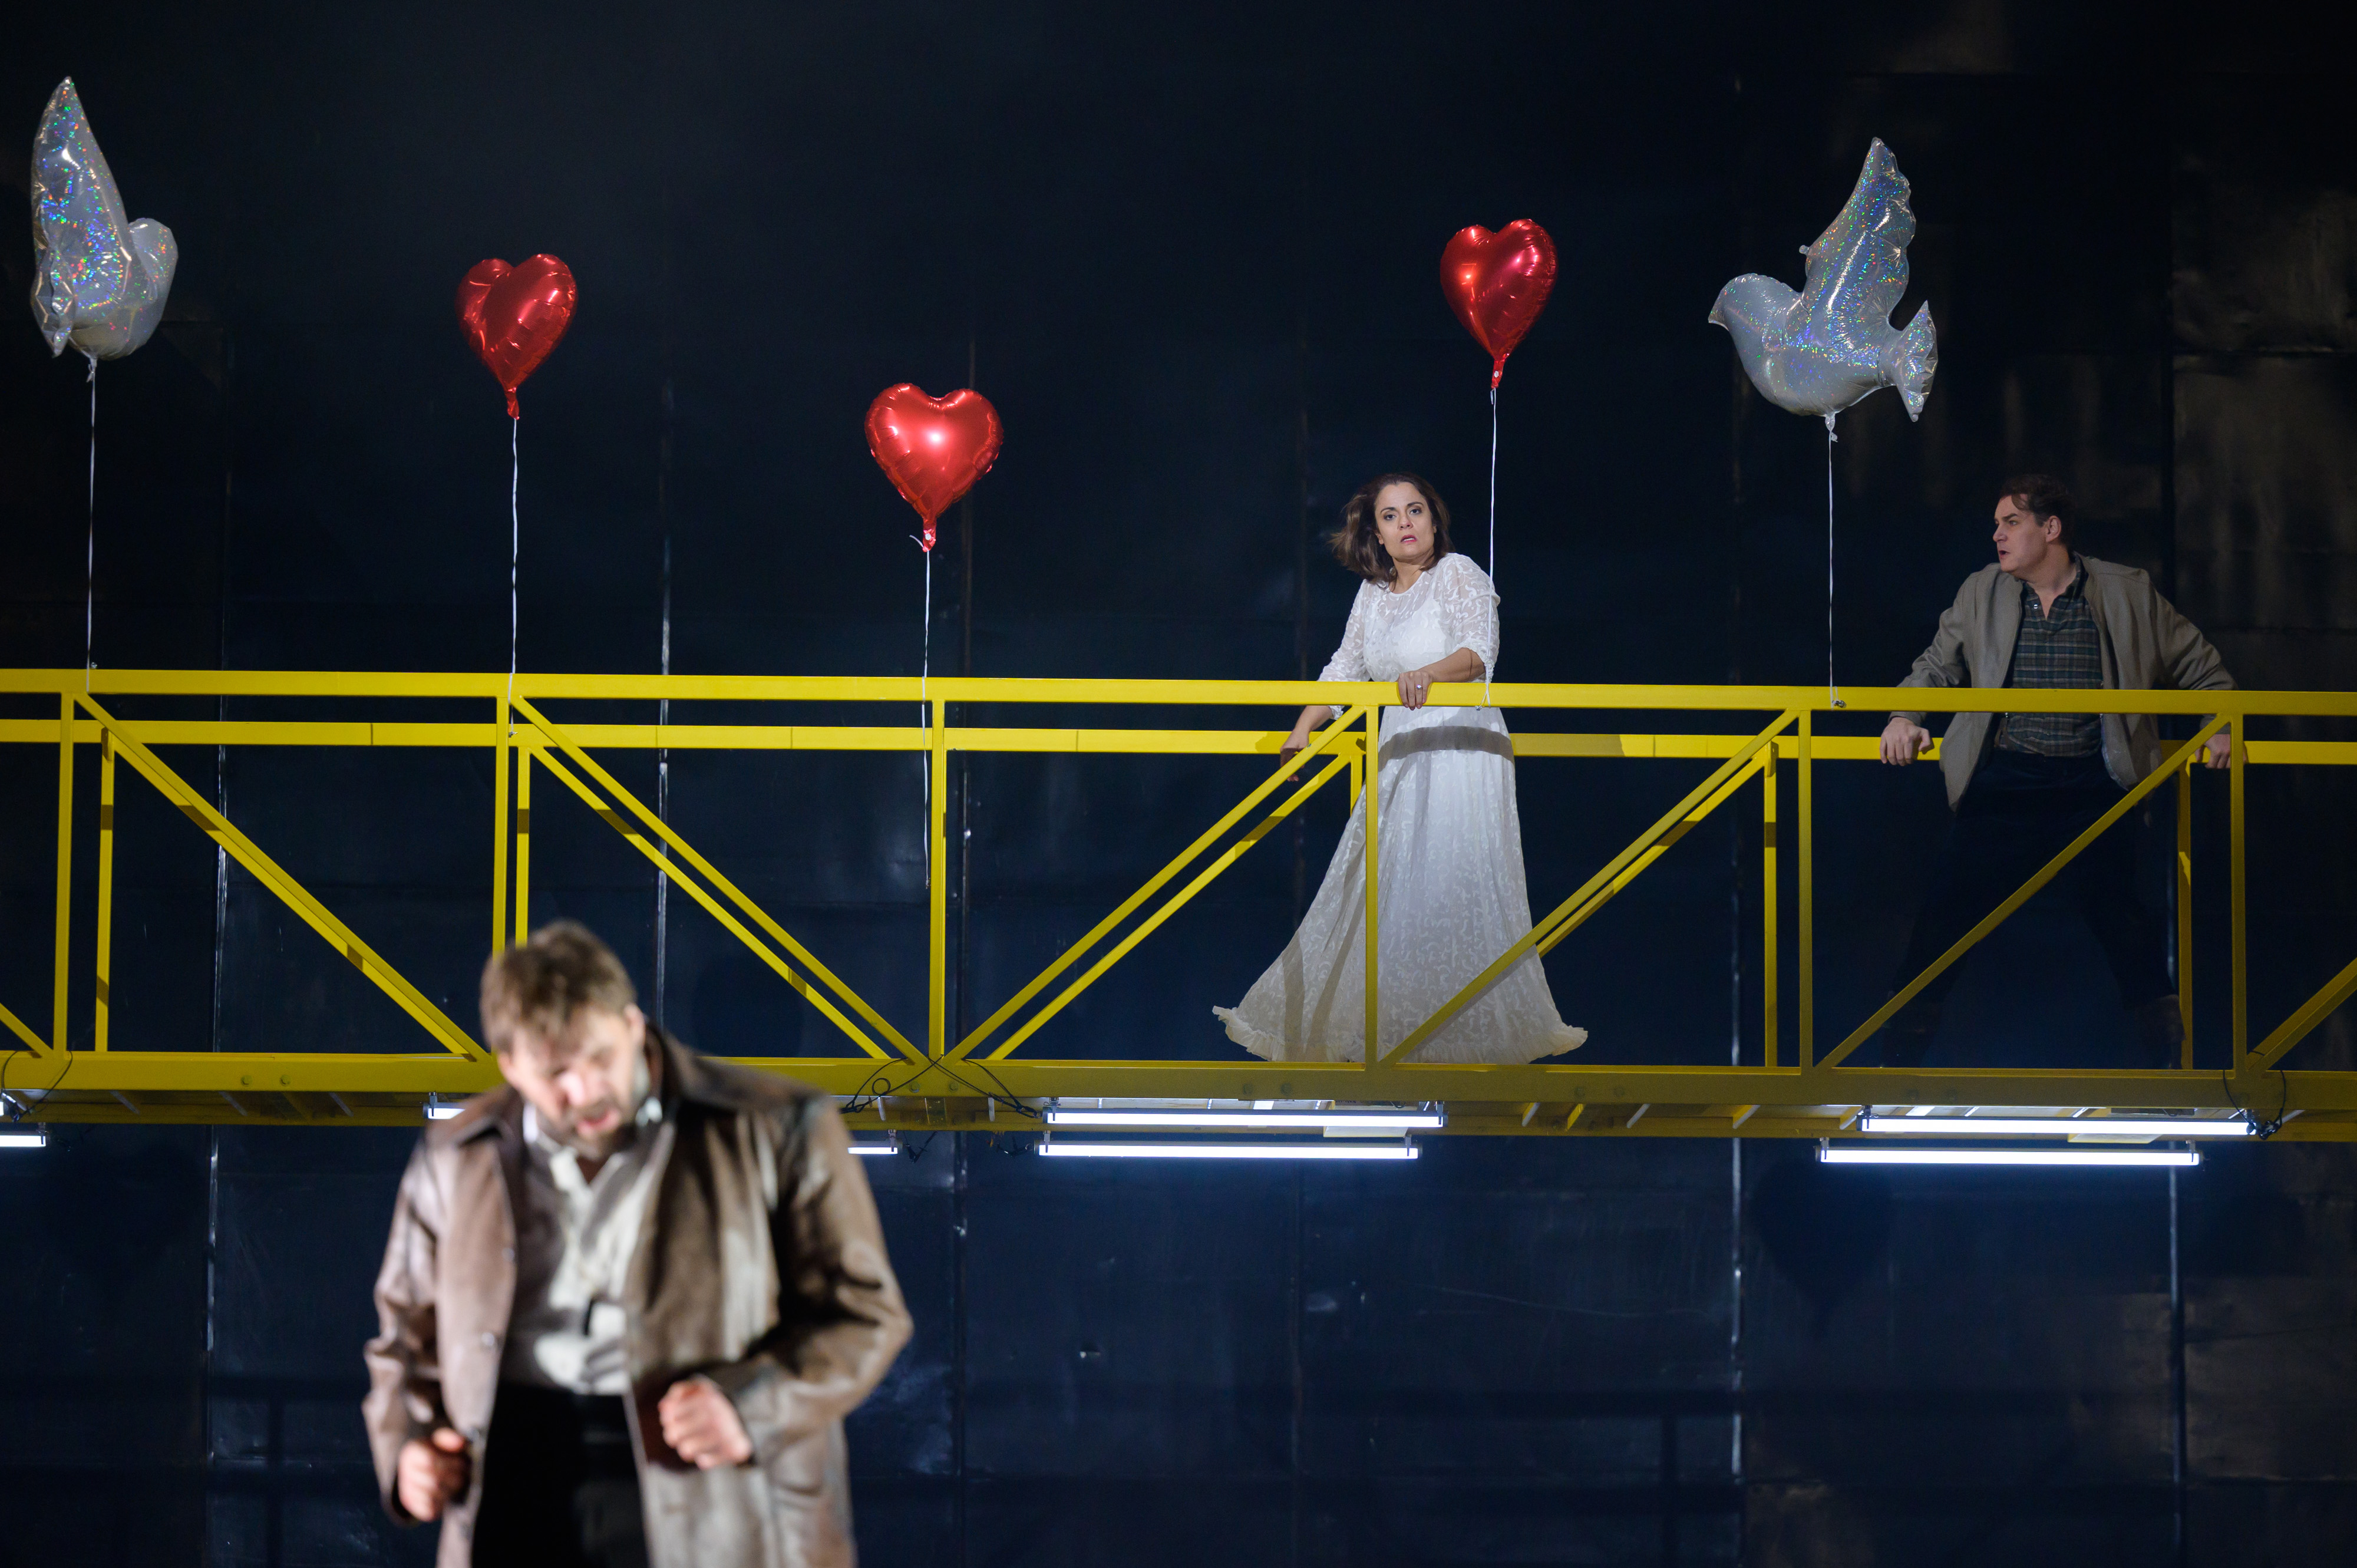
296, 897
1334, 731
711, 874
17, 1026
1730, 769
2022, 894
1148, 927
638, 841
1587, 911
2312, 1012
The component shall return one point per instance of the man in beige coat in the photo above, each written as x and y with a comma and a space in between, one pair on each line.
2025, 785
628, 1299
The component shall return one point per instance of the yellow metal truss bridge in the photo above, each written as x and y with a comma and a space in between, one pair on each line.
916, 1076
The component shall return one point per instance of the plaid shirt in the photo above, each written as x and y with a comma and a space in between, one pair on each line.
2060, 651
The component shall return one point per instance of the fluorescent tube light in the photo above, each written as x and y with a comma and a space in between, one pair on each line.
1102, 1151
876, 1148
439, 1109
1852, 1155
2060, 1126
1059, 1116
25, 1138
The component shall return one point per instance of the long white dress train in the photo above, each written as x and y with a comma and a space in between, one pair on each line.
1453, 897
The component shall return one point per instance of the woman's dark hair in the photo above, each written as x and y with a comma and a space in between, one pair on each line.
2043, 496
1359, 545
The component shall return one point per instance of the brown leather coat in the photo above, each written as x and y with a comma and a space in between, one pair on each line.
761, 1265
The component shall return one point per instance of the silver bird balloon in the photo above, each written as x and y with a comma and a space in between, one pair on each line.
100, 282
1821, 349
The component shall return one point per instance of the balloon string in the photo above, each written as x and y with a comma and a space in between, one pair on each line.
90, 560
515, 541
1493, 513
1830, 685
925, 706
1494, 483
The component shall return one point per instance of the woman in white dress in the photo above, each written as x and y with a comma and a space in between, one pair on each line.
1453, 899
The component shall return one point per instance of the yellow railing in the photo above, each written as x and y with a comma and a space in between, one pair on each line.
924, 1073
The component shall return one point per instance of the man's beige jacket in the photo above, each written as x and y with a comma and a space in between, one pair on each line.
760, 1265
2147, 646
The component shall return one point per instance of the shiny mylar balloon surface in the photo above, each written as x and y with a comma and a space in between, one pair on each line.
99, 280
1821, 349
1497, 283
514, 316
932, 448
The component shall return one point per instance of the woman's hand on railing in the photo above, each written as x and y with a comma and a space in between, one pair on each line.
1312, 717
1415, 685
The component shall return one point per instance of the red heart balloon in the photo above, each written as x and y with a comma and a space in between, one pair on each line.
932, 448
513, 315
1498, 283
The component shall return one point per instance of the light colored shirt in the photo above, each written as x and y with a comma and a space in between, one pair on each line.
575, 1239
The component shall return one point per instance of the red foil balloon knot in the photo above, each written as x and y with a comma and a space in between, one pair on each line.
932, 449
1497, 372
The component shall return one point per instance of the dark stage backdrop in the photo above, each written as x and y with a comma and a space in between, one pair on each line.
1190, 255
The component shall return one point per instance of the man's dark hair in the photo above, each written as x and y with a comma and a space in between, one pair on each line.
1359, 545
2043, 496
543, 983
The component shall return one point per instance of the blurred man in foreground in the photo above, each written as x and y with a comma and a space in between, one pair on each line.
629, 1298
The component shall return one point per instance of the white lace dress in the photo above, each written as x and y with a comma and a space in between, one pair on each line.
1452, 898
